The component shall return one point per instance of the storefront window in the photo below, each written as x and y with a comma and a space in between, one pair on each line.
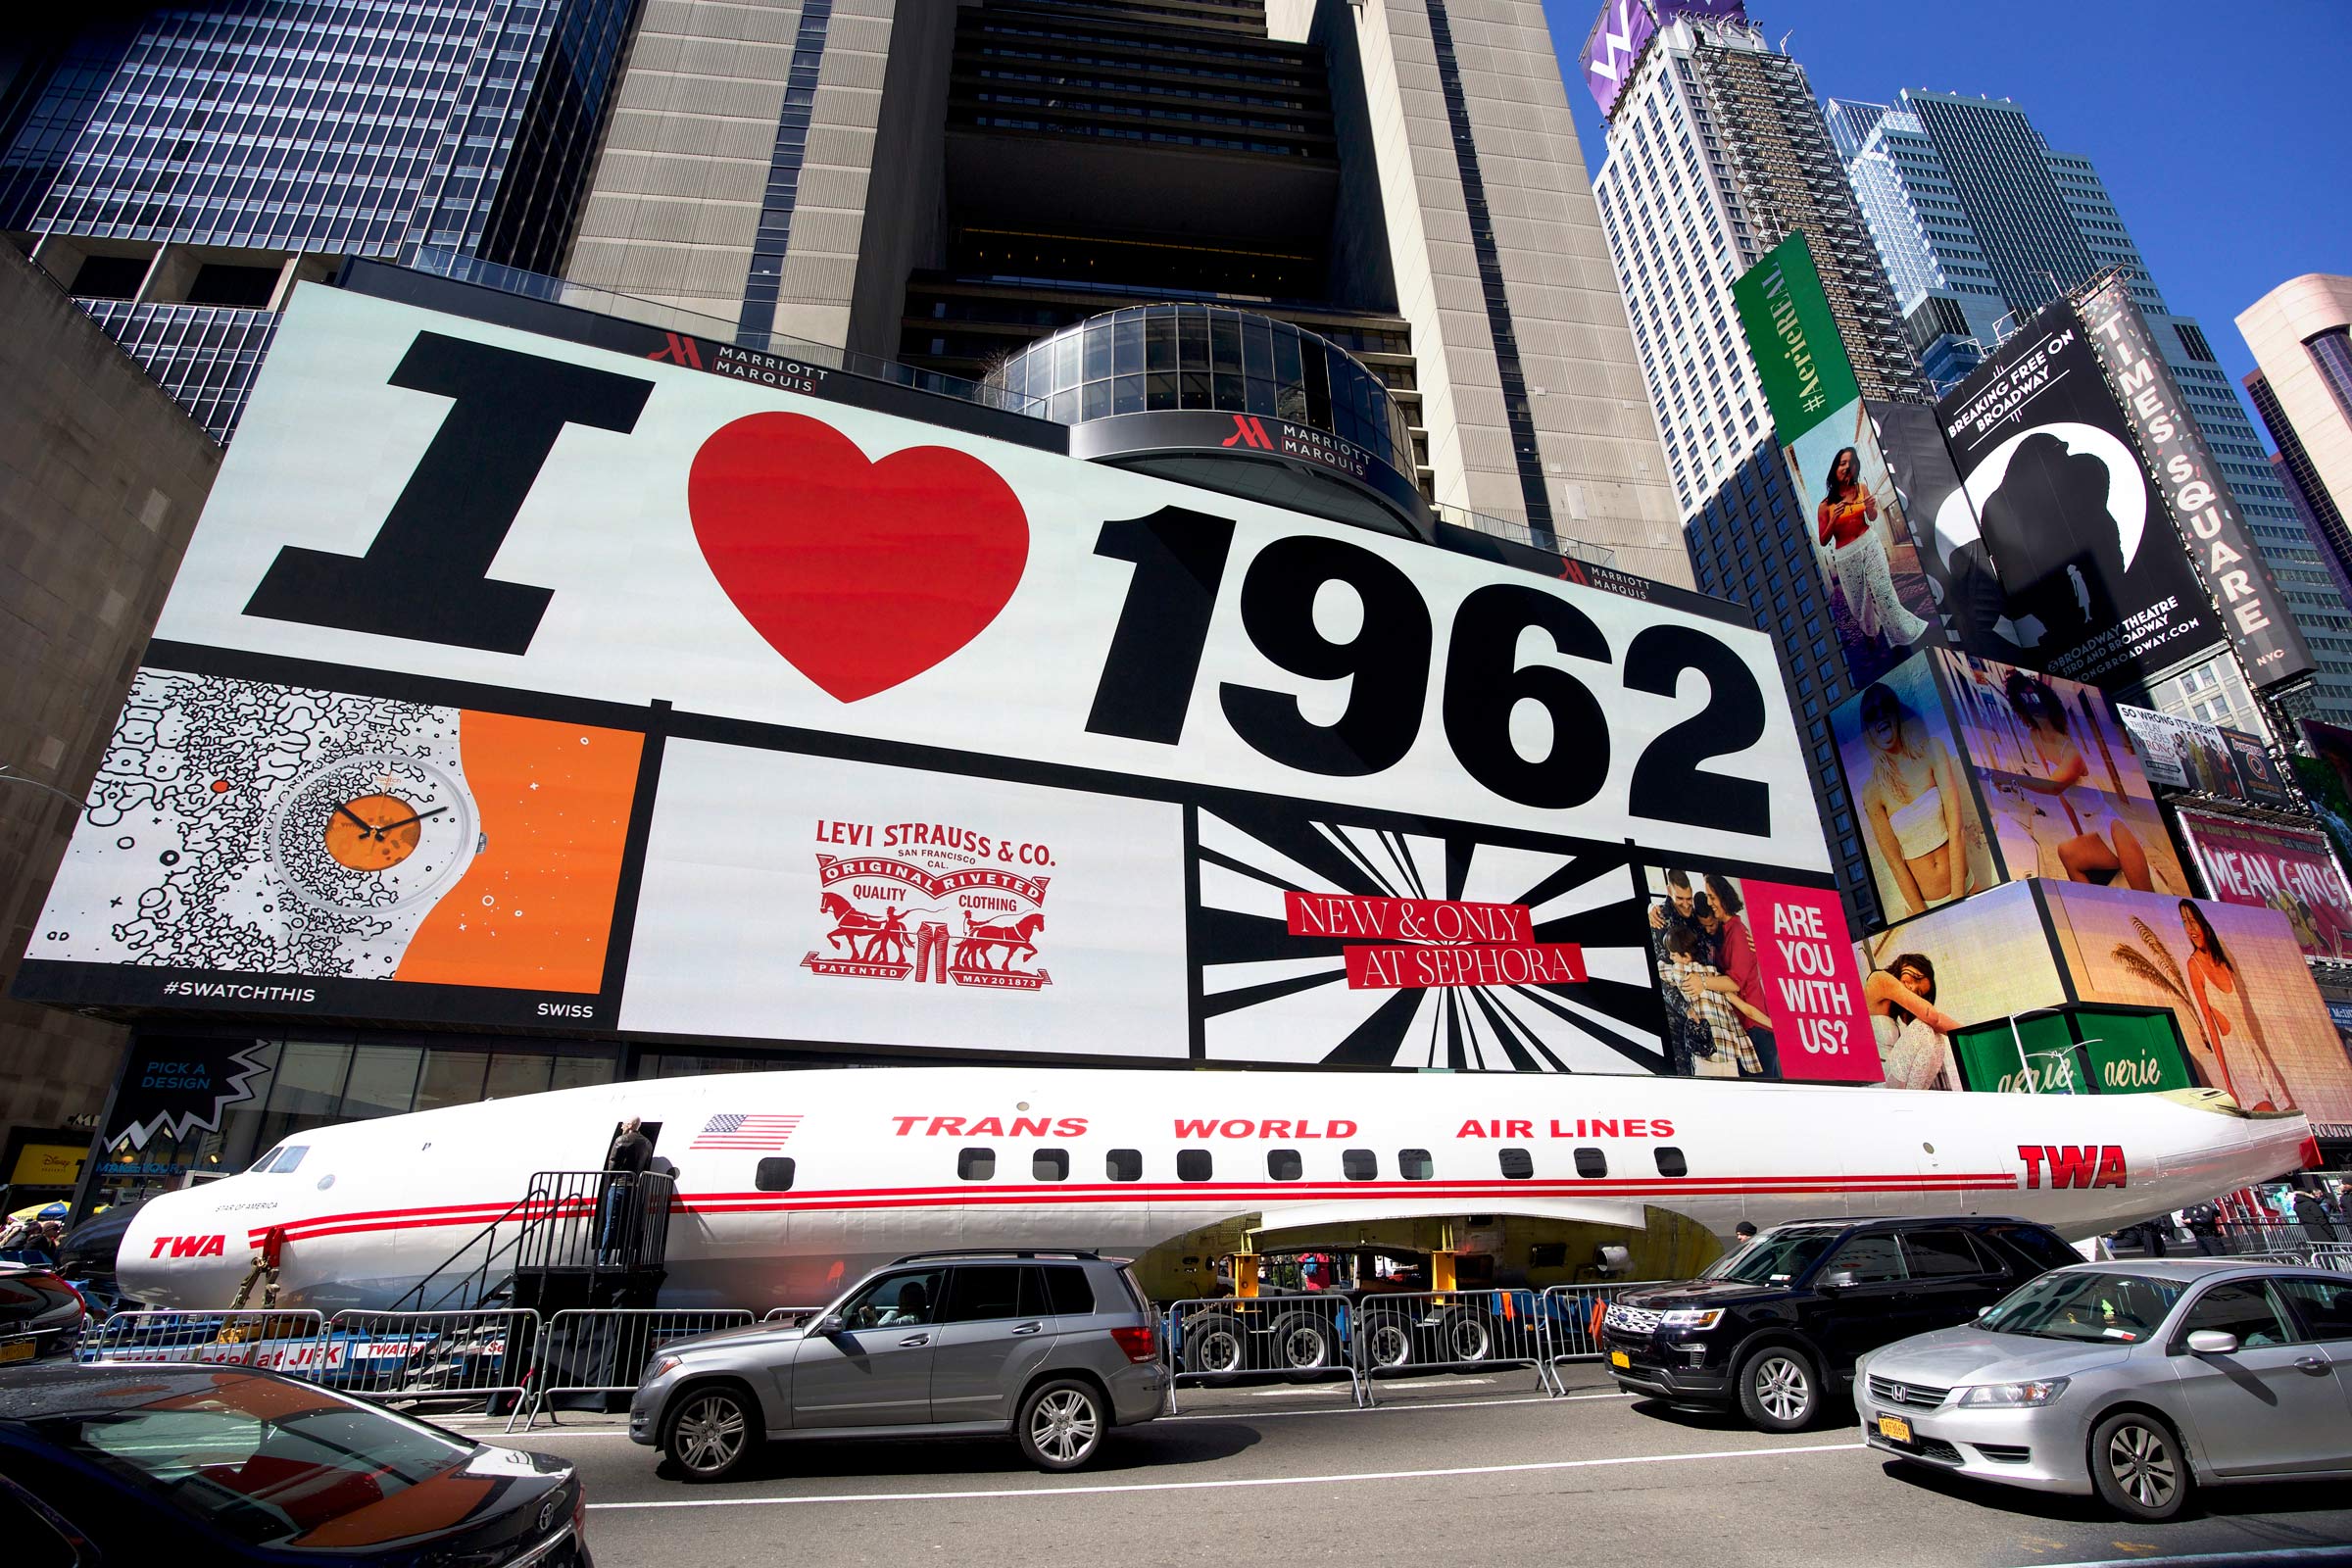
382, 1083
306, 1091
515, 1072
451, 1078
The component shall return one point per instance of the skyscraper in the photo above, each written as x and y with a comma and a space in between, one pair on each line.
1716, 154
1966, 199
944, 185
2301, 336
178, 170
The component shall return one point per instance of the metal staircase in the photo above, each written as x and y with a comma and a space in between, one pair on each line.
575, 1238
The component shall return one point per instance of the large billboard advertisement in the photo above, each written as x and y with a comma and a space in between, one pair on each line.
1880, 602
1613, 48
2095, 586
2270, 866
1757, 980
1950, 543
2203, 510
1922, 831
513, 681
1982, 960
2061, 784
2181, 754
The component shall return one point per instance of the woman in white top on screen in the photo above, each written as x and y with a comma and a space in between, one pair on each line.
1913, 1033
1912, 801
2097, 845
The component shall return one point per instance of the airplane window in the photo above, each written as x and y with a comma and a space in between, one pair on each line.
1125, 1164
262, 1165
1359, 1164
1284, 1164
976, 1164
773, 1176
289, 1159
1671, 1161
1050, 1166
1415, 1164
1592, 1162
1192, 1164
1517, 1163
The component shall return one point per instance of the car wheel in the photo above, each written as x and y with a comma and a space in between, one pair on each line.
1779, 1389
1303, 1343
1388, 1341
712, 1433
2137, 1466
1062, 1425
1215, 1347
1464, 1336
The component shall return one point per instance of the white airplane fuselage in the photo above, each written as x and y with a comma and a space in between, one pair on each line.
374, 1208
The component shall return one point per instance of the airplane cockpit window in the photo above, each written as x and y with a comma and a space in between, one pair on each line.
1193, 1164
773, 1175
1518, 1164
1125, 1164
289, 1159
976, 1164
1415, 1165
1359, 1164
1284, 1165
1671, 1161
1050, 1165
267, 1155
1592, 1162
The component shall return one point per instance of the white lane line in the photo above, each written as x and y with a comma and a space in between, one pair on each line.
2325, 1554
1353, 1478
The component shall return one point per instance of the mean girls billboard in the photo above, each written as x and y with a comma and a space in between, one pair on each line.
512, 681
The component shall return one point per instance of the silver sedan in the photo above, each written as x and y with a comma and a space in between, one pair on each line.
2134, 1381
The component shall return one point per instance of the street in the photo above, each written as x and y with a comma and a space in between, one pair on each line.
1479, 1469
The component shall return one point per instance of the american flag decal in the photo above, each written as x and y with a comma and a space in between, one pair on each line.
735, 1130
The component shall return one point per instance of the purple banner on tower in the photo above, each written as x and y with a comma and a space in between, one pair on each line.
1613, 47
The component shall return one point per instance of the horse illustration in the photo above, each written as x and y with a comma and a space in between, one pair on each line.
851, 925
982, 939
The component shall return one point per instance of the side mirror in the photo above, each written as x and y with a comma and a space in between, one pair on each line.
1839, 1279
827, 1326
2212, 1341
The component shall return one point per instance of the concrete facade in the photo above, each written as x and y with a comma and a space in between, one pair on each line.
2280, 328
101, 478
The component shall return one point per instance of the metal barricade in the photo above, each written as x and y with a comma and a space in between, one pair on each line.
1572, 1316
1303, 1338
475, 1354
606, 1350
791, 1317
279, 1340
1404, 1332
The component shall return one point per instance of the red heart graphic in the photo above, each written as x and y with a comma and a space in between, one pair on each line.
862, 574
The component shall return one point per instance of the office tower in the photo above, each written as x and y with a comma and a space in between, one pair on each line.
1965, 197
1717, 153
2301, 336
179, 169
944, 185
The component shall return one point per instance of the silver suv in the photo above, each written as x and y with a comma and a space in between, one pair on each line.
1055, 1348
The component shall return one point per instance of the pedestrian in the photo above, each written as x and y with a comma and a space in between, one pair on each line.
1744, 1233
2205, 1228
627, 1161
2151, 1236
2312, 1215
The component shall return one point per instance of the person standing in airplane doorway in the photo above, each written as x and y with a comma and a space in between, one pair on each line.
631, 1153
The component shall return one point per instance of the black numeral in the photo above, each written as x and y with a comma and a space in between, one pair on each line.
1147, 683
1484, 683
1667, 784
1386, 663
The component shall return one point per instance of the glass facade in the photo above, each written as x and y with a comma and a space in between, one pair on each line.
1162, 357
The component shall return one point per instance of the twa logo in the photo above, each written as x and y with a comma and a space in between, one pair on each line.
1247, 432
681, 351
2074, 1164
190, 1247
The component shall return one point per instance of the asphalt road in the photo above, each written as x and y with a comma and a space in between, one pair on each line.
1478, 1470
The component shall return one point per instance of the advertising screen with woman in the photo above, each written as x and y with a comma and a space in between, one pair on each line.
1913, 802
1879, 600
1924, 981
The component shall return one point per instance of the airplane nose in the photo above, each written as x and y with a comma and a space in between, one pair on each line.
179, 1250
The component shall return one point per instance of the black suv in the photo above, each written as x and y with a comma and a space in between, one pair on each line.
1768, 1326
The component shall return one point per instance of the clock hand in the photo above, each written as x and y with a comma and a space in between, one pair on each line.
365, 826
405, 821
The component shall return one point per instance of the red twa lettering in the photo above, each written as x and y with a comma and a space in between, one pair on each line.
2075, 1164
191, 1246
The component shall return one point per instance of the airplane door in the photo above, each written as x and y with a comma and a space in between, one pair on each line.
876, 1372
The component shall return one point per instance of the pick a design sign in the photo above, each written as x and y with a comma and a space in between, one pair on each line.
862, 574
1806, 960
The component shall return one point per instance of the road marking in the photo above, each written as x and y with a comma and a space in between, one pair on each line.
1402, 1405
2322, 1554
1352, 1478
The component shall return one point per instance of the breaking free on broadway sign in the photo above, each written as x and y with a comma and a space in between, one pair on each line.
515, 682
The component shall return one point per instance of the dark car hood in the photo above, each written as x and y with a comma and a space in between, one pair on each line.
492, 1501
1701, 1293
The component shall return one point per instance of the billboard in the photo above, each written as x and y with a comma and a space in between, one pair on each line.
1757, 979
2260, 780
2204, 512
1879, 603
2062, 787
1922, 831
1950, 546
2095, 586
2079, 1050
2272, 865
2233, 978
1982, 960
2181, 754
1614, 47
518, 682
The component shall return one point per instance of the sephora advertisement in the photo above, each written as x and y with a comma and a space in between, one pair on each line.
516, 681
2270, 866
2095, 586
2253, 612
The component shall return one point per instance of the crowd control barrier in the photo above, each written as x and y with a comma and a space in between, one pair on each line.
1304, 1338
792, 1317
475, 1354
292, 1342
1403, 1333
1574, 1312
606, 1350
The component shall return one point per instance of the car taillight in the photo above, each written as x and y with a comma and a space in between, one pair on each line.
1140, 1344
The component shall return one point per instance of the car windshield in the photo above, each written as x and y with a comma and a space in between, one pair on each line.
1772, 1258
2116, 1309
271, 1463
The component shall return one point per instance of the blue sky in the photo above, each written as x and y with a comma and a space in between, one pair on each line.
2222, 130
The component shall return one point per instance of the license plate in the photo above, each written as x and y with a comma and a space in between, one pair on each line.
16, 1350
1894, 1429
1620, 1358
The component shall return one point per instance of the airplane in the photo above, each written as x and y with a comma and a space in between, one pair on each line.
789, 1185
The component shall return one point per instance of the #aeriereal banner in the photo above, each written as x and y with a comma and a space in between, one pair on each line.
514, 681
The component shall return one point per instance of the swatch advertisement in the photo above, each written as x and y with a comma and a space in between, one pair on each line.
1911, 789
1757, 980
2270, 865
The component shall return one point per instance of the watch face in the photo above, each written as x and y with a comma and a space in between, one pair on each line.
371, 834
